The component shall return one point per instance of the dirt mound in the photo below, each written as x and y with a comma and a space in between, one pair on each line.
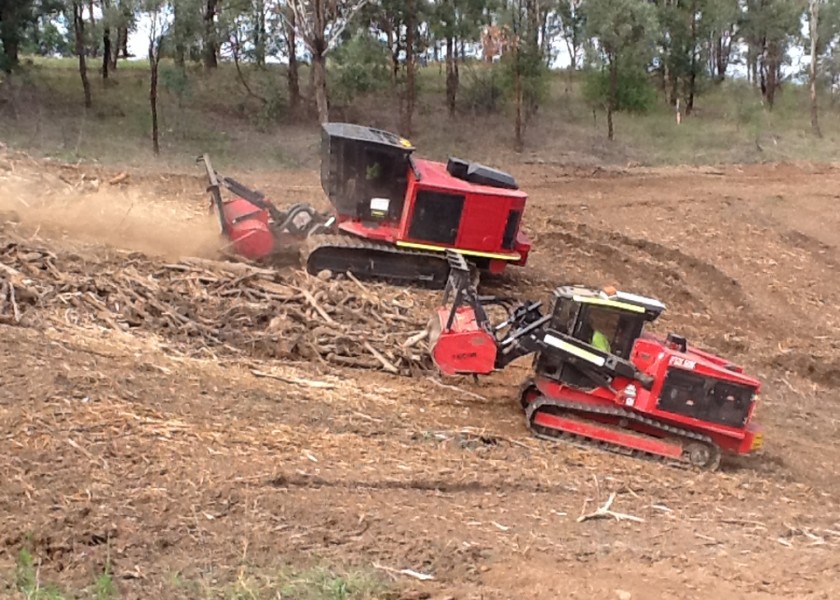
199, 306
818, 367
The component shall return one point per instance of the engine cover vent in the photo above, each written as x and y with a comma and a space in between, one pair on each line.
480, 174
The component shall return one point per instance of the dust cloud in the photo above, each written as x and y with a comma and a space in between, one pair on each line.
130, 218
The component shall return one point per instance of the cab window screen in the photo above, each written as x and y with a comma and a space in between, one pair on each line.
436, 217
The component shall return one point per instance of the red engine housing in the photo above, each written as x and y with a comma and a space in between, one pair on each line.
654, 356
440, 211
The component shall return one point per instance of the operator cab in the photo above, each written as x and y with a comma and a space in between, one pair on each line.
364, 171
608, 321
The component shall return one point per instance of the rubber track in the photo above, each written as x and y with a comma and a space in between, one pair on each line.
585, 442
352, 242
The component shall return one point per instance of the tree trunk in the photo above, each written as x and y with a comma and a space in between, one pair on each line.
94, 49
715, 49
79, 29
576, 41
259, 33
451, 76
772, 71
292, 78
572, 57
115, 56
210, 44
544, 49
108, 58
154, 62
532, 25
572, 46
180, 55
323, 13
410, 33
812, 71
519, 143
532, 32
11, 42
319, 81
722, 51
612, 101
692, 74
106, 52
692, 86
389, 39
572, 50
395, 60
761, 72
123, 43
673, 88
312, 80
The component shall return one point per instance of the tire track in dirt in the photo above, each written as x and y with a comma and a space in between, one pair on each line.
673, 275
817, 369
819, 250
814, 365
634, 272
818, 364
422, 485
685, 267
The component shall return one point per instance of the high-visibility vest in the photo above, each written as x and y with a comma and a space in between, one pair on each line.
600, 341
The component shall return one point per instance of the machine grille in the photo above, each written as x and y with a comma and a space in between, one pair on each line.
511, 228
705, 398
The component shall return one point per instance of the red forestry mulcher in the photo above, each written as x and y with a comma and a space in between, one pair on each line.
393, 215
598, 377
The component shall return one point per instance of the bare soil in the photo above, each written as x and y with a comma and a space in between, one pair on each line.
173, 465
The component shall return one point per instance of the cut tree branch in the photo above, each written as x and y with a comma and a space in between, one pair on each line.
605, 511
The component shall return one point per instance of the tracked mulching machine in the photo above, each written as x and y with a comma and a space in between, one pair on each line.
393, 215
598, 378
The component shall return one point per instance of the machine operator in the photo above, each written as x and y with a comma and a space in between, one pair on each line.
599, 324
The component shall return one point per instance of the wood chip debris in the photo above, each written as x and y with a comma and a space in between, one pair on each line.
204, 307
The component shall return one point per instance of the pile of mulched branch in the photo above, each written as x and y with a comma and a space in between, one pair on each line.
224, 308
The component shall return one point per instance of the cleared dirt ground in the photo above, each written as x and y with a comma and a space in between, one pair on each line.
193, 478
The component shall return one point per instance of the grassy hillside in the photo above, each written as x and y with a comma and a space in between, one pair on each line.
41, 111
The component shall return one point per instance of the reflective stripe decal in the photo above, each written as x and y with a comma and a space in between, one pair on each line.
574, 350
515, 256
653, 302
613, 303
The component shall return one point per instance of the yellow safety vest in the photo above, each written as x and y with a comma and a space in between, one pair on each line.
600, 341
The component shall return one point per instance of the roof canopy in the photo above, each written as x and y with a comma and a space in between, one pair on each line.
370, 135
